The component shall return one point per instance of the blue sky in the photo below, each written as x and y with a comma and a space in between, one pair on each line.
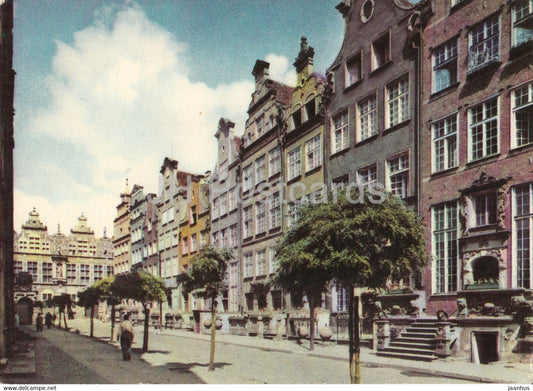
107, 89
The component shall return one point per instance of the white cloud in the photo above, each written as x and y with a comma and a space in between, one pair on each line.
121, 92
281, 70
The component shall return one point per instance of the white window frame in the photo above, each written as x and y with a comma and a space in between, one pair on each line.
274, 161
260, 169
260, 218
522, 234
367, 175
261, 268
248, 177
367, 117
519, 16
444, 144
445, 248
519, 104
313, 153
397, 98
443, 58
340, 136
483, 122
353, 70
274, 210
248, 265
293, 163
486, 48
247, 226
399, 166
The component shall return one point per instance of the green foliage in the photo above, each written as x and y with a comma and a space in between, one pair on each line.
62, 301
104, 288
89, 297
207, 272
353, 243
140, 286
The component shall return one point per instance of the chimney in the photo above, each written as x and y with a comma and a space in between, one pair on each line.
260, 70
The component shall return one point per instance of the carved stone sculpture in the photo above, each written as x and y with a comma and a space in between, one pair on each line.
462, 308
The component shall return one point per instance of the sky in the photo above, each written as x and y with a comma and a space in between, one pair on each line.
105, 90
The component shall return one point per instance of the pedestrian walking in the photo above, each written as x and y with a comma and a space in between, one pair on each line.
48, 320
125, 336
39, 322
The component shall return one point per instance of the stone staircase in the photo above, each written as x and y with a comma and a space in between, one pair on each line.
415, 342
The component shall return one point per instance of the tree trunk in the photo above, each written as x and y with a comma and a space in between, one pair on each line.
59, 318
353, 330
112, 320
146, 325
92, 321
65, 319
213, 331
311, 322
160, 315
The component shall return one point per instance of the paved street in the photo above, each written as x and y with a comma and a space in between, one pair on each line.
67, 357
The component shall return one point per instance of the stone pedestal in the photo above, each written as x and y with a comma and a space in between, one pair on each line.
443, 339
381, 334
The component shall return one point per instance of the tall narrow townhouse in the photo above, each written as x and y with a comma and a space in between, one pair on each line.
121, 233
477, 170
150, 260
194, 233
224, 194
173, 188
372, 114
303, 143
262, 186
137, 216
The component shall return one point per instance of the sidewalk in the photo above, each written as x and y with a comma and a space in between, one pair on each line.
499, 372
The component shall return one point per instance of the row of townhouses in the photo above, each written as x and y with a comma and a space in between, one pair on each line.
432, 100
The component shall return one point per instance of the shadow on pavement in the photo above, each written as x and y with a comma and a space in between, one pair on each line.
186, 367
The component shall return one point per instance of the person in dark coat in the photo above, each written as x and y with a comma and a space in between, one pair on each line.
125, 335
48, 320
39, 322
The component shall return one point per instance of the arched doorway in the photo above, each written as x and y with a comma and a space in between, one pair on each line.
24, 309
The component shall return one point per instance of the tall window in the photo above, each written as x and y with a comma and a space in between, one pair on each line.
223, 170
293, 212
109, 270
248, 178
249, 266
194, 243
274, 161
47, 271
522, 234
522, 22
397, 102
485, 208
260, 170
260, 125
484, 41
275, 211
445, 143
33, 270
216, 208
313, 153
353, 71
340, 133
223, 204
367, 175
248, 222
85, 274
341, 299
98, 271
445, 247
483, 125
17, 267
522, 102
272, 260
71, 273
380, 52
367, 119
234, 238
232, 203
293, 163
260, 218
261, 262
445, 65
399, 175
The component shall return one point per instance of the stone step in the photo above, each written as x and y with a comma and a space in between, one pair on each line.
422, 345
418, 335
423, 330
414, 339
425, 325
409, 350
406, 356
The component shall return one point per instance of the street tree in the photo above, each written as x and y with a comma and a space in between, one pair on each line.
64, 304
357, 240
89, 298
142, 287
104, 287
303, 263
206, 277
